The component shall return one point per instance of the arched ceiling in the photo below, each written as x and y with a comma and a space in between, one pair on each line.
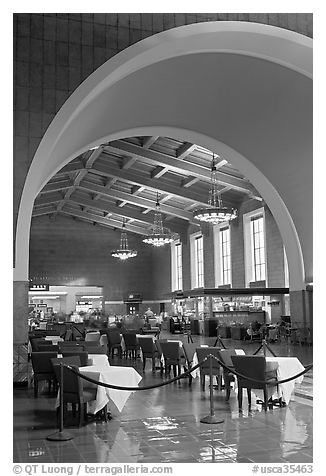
120, 180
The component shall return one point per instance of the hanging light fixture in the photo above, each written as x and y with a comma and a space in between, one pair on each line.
159, 235
123, 252
215, 212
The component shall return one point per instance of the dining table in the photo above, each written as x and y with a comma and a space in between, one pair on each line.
98, 359
115, 375
287, 367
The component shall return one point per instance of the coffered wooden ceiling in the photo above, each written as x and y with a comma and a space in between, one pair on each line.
120, 180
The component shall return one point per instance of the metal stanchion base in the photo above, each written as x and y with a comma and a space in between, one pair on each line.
60, 436
212, 419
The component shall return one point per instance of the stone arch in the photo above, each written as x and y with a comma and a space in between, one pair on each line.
240, 89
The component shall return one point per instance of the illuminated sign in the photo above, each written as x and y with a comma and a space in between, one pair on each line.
38, 287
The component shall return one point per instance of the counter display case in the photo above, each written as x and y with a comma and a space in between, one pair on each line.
228, 312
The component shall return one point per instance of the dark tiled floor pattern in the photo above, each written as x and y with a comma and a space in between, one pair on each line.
163, 425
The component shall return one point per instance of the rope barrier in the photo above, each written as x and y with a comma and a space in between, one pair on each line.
238, 374
132, 389
183, 375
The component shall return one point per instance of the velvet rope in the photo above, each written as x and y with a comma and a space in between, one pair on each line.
187, 373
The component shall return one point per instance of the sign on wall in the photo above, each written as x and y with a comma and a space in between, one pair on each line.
38, 287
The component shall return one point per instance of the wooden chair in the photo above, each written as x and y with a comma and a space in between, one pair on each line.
83, 356
69, 360
149, 351
114, 341
42, 369
172, 357
48, 347
69, 345
36, 342
76, 392
160, 353
189, 351
255, 367
228, 377
68, 335
203, 352
131, 344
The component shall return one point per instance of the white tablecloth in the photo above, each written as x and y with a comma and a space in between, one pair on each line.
92, 336
115, 375
101, 360
287, 367
54, 339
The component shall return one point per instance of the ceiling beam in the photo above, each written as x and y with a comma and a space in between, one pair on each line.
185, 149
56, 186
180, 166
70, 168
103, 221
158, 172
129, 198
93, 156
43, 211
48, 199
187, 182
149, 141
137, 189
154, 185
127, 162
106, 207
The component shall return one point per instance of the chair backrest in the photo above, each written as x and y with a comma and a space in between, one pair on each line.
40, 332
158, 345
92, 337
130, 338
96, 349
41, 362
70, 360
189, 351
171, 350
36, 342
48, 348
83, 356
203, 352
70, 344
68, 335
78, 330
147, 345
252, 366
114, 337
72, 385
225, 356
50, 332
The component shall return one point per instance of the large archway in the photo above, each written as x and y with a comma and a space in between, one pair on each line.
240, 89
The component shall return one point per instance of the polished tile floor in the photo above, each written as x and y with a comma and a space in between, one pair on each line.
163, 425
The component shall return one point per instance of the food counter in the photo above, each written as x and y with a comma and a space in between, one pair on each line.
231, 310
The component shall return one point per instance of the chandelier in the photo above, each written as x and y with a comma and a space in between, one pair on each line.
123, 252
159, 235
215, 212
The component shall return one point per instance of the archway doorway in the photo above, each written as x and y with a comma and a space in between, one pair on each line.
161, 86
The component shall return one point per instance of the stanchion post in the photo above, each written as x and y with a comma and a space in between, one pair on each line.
60, 435
212, 418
